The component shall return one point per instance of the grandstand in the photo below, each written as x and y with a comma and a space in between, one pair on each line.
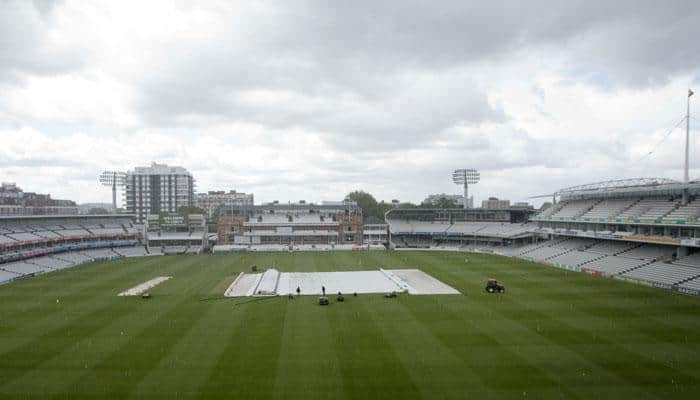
455, 228
32, 245
646, 230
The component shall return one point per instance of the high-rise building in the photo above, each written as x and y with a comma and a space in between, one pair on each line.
158, 189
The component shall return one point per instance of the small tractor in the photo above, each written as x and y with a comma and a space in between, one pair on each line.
492, 286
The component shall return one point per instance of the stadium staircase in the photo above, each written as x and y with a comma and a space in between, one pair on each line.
633, 268
592, 260
626, 250
688, 279
594, 205
634, 203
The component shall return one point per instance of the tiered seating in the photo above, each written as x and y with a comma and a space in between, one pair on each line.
611, 247
74, 257
465, 228
574, 209
574, 243
105, 231
659, 272
575, 258
687, 212
692, 260
691, 284
23, 268
544, 253
99, 254
516, 251
25, 236
657, 208
51, 263
608, 208
639, 208
613, 265
6, 276
47, 234
551, 210
502, 229
136, 251
73, 232
649, 252
5, 239
430, 227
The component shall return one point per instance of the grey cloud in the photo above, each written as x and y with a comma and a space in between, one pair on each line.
25, 46
330, 50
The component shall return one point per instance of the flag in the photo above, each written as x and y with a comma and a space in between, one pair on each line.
690, 93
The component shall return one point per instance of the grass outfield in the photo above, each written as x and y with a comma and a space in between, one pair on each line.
553, 334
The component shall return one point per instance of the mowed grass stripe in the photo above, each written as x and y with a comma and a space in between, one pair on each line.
308, 365
554, 334
500, 368
163, 322
562, 361
64, 324
370, 366
246, 367
77, 336
30, 300
437, 367
516, 312
650, 371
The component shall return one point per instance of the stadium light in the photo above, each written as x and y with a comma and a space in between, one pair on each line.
466, 177
114, 179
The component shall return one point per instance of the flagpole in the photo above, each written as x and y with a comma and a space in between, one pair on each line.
687, 137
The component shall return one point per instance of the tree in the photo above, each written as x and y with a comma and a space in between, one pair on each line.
442, 202
370, 207
97, 211
366, 202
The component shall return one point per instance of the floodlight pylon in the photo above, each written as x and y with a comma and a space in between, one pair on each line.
466, 177
114, 179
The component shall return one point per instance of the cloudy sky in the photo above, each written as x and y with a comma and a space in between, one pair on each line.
312, 99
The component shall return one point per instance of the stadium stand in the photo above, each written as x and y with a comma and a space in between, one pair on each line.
574, 209
649, 252
608, 208
687, 212
38, 244
576, 258
613, 265
458, 228
643, 229
134, 251
612, 247
664, 273
693, 284
23, 268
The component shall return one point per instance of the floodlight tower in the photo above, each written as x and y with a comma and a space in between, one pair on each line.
114, 179
466, 177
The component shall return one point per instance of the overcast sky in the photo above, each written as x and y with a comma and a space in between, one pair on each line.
309, 100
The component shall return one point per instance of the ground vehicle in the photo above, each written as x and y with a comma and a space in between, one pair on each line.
492, 286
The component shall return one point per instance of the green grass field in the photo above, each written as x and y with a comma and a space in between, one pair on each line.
553, 334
